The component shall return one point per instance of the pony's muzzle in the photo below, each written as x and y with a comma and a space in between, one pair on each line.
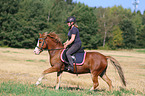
36, 51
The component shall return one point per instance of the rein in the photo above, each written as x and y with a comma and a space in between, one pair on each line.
55, 49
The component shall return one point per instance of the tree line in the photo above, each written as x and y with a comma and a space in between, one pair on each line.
110, 28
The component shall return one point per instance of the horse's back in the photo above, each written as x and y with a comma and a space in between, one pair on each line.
96, 56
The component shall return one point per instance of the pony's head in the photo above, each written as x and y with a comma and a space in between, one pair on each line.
43, 41
41, 44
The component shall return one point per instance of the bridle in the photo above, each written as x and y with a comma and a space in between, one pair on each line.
41, 49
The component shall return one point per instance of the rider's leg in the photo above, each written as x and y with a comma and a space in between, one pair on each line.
70, 51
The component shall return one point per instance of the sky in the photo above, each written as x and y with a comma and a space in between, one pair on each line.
110, 3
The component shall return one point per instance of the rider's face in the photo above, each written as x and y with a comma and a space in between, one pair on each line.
69, 24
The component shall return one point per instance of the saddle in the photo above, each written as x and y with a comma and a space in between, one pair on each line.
78, 57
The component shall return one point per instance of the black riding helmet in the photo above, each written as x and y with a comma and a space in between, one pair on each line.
71, 19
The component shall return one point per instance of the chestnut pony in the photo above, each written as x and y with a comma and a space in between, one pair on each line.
95, 63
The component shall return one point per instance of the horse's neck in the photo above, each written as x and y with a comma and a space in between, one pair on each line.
54, 53
53, 45
55, 49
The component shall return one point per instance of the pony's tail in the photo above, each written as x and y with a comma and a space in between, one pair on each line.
116, 64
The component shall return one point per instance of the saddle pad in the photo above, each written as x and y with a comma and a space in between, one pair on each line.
80, 57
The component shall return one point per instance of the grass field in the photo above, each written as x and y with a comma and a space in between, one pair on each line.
21, 68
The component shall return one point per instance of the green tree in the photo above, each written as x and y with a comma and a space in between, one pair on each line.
20, 29
22, 20
141, 38
104, 22
129, 36
69, 1
117, 40
8, 8
108, 18
88, 26
137, 21
143, 19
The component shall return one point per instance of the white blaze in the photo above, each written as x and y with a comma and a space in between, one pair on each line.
36, 50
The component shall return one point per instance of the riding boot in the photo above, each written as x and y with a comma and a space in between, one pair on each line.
71, 68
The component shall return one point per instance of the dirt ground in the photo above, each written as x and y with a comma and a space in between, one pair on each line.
22, 65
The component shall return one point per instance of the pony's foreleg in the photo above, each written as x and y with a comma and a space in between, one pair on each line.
49, 70
39, 80
58, 80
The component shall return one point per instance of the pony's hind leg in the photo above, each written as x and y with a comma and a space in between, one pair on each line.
95, 82
107, 80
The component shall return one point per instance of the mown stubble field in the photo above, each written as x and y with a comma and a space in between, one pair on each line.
22, 65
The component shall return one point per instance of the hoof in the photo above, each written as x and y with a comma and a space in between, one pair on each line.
56, 88
37, 83
92, 89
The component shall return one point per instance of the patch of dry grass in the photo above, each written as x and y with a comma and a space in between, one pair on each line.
24, 66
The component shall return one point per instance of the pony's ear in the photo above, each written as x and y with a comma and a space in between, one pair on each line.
40, 34
53, 32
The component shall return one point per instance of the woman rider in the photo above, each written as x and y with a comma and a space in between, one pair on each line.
73, 43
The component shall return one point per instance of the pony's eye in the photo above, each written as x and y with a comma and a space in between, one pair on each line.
40, 42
